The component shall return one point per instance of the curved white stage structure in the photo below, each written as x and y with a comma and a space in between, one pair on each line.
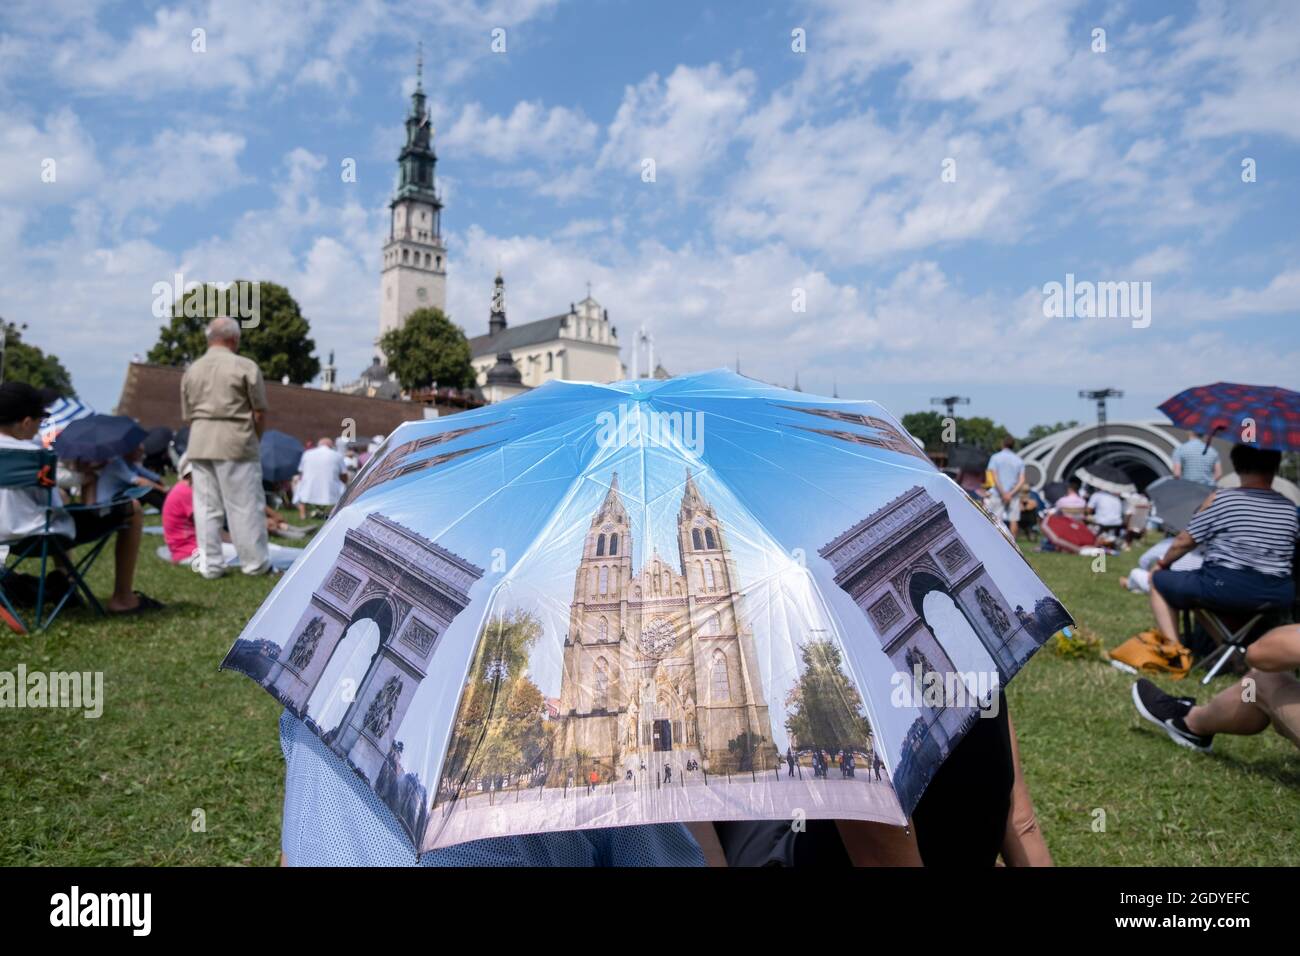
1142, 450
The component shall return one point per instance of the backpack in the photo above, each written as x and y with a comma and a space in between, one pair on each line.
1149, 652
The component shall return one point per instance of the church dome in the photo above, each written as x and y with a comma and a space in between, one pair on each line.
504, 372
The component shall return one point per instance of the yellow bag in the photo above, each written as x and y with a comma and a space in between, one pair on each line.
1150, 653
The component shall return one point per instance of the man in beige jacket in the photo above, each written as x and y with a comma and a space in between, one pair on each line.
223, 399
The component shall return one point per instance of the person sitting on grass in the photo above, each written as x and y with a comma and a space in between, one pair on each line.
23, 510
1248, 535
1139, 579
182, 538
120, 477
1106, 515
1073, 499
1269, 695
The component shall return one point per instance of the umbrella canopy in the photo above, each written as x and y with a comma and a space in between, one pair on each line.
1224, 406
1066, 533
1054, 490
59, 415
181, 440
666, 584
99, 438
281, 454
1107, 478
156, 442
1176, 500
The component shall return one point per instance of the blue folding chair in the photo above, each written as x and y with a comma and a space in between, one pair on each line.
22, 469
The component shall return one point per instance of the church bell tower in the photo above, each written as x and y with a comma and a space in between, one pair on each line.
414, 259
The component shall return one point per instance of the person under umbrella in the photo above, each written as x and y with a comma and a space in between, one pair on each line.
537, 496
1249, 537
23, 510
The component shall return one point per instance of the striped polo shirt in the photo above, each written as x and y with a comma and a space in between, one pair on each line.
1250, 529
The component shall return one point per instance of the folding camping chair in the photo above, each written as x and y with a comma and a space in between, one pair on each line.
21, 468
1233, 631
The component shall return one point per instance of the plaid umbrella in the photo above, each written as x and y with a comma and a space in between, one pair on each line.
1224, 406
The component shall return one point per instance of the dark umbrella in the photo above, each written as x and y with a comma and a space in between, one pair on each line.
156, 442
1273, 413
99, 438
1054, 490
1107, 478
281, 454
1176, 500
181, 440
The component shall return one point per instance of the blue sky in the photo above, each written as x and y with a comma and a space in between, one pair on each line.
776, 171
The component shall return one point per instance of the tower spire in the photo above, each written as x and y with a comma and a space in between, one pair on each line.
497, 317
419, 66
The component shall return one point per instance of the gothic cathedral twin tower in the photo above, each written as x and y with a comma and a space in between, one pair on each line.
659, 666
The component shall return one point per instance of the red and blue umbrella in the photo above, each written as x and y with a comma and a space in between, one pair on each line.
1273, 412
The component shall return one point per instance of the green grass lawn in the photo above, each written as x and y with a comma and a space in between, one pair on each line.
177, 736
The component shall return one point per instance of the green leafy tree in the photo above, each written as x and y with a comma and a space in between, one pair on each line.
927, 426
824, 709
1042, 431
427, 348
27, 363
984, 432
280, 343
498, 731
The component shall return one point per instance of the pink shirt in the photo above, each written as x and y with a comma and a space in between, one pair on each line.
178, 521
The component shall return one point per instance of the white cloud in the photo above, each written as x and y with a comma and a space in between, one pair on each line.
25, 148
684, 123
530, 131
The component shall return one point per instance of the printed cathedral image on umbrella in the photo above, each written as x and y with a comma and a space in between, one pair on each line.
703, 598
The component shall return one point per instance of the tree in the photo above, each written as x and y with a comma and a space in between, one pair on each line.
428, 347
744, 748
27, 363
1042, 431
280, 343
498, 730
984, 432
825, 709
927, 426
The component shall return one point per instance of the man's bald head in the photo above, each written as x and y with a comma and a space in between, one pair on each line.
327, 442
224, 331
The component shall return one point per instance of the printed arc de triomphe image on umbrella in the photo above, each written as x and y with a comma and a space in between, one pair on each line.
514, 624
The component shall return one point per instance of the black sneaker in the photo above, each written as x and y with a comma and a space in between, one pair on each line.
1167, 713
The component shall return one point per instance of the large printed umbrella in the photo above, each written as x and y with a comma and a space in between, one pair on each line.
599, 605
1260, 415
99, 438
